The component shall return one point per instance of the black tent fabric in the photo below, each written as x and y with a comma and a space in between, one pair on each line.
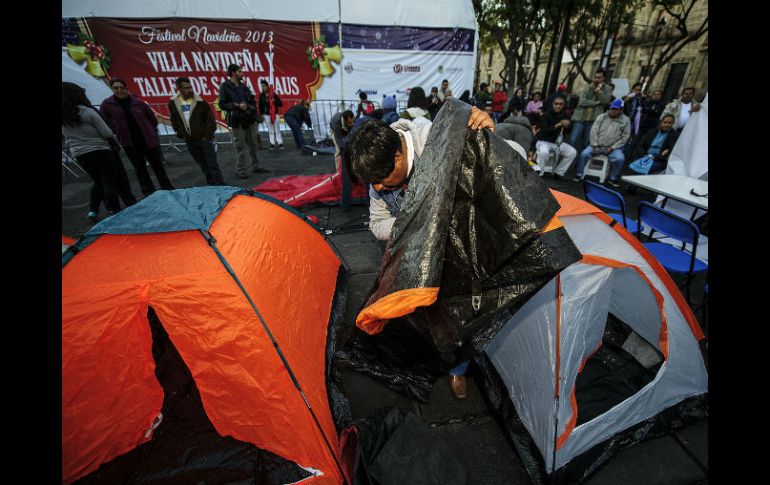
475, 225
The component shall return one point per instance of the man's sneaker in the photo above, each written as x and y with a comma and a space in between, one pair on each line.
280, 146
577, 178
258, 169
272, 146
93, 215
614, 183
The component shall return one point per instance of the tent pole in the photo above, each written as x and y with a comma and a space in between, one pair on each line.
212, 242
556, 372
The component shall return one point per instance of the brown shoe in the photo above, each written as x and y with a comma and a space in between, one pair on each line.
459, 385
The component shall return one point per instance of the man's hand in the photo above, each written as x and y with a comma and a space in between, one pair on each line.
695, 108
608, 150
480, 119
243, 106
597, 150
664, 153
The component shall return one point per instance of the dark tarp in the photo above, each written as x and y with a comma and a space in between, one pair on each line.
397, 448
473, 223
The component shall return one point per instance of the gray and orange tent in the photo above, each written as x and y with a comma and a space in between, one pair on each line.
244, 287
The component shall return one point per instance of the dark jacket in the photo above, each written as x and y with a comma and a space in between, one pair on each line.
646, 141
231, 95
548, 132
651, 111
113, 114
300, 113
202, 123
264, 104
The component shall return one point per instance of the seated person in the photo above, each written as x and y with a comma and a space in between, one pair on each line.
555, 125
609, 134
658, 143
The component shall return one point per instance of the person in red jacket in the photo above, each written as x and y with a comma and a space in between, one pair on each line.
498, 101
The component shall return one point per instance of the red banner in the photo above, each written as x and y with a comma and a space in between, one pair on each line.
150, 54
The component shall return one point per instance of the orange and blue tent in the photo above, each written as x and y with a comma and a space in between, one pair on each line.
243, 285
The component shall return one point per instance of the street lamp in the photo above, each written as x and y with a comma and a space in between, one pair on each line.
658, 27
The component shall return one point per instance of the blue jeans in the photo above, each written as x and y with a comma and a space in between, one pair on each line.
580, 137
296, 130
617, 160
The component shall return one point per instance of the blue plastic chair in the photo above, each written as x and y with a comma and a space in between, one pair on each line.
675, 260
605, 198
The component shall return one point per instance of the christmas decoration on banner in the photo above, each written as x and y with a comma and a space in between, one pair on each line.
96, 57
320, 55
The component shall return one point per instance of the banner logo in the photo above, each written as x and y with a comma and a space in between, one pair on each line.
349, 67
398, 68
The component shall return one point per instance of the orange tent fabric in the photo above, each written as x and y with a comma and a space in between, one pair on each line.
110, 395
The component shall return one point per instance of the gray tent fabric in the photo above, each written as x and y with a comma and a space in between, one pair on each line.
472, 224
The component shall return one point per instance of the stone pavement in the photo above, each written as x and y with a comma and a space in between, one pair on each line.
468, 426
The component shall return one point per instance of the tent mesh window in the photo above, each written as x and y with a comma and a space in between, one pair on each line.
622, 365
185, 448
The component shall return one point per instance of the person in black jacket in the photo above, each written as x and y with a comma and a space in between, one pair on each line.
294, 117
193, 121
269, 107
657, 144
236, 99
552, 136
651, 111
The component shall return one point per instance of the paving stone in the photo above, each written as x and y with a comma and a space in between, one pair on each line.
695, 438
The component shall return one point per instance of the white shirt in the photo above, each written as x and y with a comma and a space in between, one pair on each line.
684, 114
409, 151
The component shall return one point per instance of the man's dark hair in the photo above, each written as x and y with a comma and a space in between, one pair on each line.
377, 114
347, 114
434, 88
362, 95
117, 80
232, 68
445, 81
537, 93
264, 82
482, 86
689, 89
602, 72
417, 98
535, 119
559, 96
635, 85
181, 80
667, 115
370, 151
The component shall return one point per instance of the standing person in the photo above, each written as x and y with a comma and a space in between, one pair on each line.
237, 100
89, 139
536, 104
416, 105
483, 96
364, 106
632, 107
434, 103
591, 103
466, 97
341, 126
609, 134
498, 101
294, 117
269, 104
192, 119
652, 110
134, 123
385, 156
682, 108
443, 91
555, 125
516, 104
